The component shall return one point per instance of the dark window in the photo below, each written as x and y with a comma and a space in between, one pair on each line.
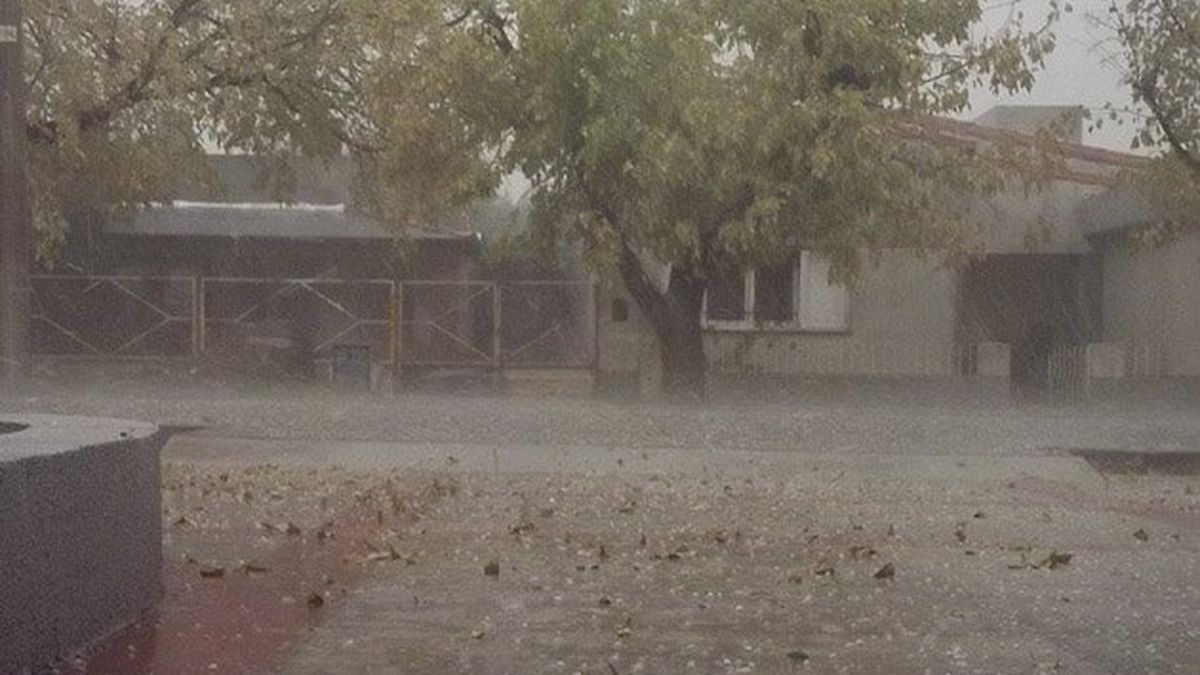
620, 310
727, 297
775, 293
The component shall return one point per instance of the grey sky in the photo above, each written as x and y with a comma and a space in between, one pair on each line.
1076, 73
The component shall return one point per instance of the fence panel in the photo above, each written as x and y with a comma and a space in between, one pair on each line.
448, 324
547, 325
114, 317
294, 324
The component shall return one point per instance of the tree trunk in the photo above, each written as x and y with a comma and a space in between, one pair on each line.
675, 317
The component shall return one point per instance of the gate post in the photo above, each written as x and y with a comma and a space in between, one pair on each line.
397, 333
198, 347
496, 319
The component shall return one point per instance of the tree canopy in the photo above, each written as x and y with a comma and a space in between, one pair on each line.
700, 135
711, 135
1160, 41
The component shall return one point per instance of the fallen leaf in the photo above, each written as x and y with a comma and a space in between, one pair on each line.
797, 656
888, 571
862, 552
523, 527
1056, 560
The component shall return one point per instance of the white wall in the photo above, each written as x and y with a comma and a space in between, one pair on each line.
1152, 306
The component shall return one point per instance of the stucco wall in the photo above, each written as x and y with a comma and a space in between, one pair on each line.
1035, 220
1152, 306
901, 323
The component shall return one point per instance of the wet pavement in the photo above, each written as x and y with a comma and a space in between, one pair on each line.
885, 539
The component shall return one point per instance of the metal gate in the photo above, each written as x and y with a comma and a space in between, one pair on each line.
114, 317
295, 324
547, 325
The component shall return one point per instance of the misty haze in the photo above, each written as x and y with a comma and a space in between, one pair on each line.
600, 337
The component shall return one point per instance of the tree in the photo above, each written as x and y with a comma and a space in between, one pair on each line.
708, 135
126, 98
1160, 41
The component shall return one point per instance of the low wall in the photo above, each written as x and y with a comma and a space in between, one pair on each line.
80, 533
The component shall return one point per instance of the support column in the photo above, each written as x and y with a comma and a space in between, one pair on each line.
16, 230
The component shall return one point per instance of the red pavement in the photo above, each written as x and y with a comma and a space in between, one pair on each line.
245, 621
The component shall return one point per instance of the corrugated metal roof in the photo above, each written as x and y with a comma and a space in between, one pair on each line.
264, 221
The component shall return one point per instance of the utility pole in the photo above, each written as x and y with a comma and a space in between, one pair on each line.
16, 229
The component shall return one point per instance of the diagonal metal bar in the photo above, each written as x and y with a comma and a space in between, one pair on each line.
70, 334
140, 336
332, 339
270, 296
330, 301
463, 303
556, 328
470, 347
140, 299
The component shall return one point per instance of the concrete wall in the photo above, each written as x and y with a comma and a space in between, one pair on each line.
1152, 306
80, 535
901, 324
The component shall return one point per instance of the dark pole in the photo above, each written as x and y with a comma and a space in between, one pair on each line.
16, 230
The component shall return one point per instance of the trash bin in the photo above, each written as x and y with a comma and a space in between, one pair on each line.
352, 366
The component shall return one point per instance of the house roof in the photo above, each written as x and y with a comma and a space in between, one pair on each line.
1103, 163
265, 220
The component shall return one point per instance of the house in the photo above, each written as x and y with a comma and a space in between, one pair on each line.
279, 274
1054, 301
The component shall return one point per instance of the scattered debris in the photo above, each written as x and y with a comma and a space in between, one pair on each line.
212, 573
492, 569
605, 601
1141, 535
251, 568
315, 601
293, 530
824, 571
960, 532
862, 552
797, 656
1056, 560
626, 628
888, 571
478, 634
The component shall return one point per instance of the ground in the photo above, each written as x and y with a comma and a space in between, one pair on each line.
315, 533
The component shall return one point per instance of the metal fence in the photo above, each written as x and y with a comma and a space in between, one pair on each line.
297, 325
115, 317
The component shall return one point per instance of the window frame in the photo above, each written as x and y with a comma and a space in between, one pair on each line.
795, 325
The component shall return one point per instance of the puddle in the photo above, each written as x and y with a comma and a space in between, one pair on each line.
11, 427
1139, 463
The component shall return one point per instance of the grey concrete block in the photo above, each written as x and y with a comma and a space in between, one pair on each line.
80, 534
